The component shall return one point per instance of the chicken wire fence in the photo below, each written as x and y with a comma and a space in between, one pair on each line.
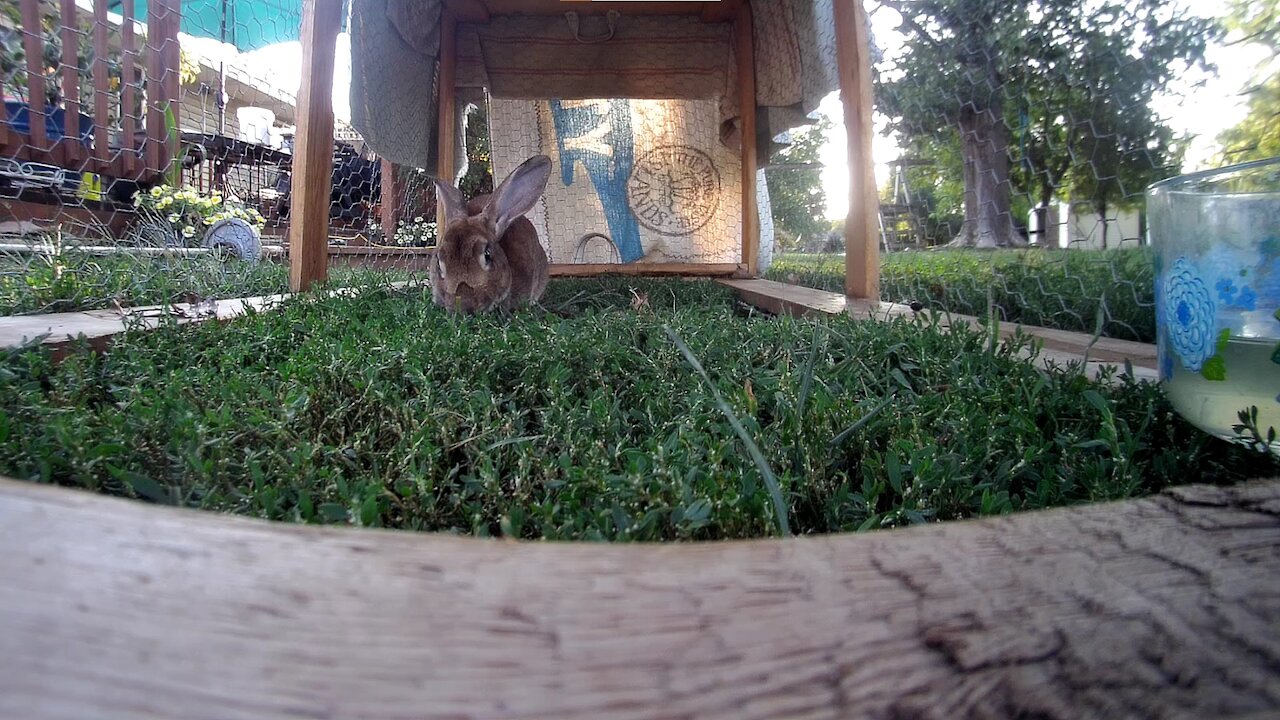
1024, 134
1021, 137
152, 164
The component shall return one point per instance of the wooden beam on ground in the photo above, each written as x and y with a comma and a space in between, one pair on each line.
744, 54
861, 233
643, 269
60, 331
447, 106
313, 151
1059, 346
1161, 607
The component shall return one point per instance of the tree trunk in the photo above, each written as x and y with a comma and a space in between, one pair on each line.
1102, 215
1042, 214
988, 216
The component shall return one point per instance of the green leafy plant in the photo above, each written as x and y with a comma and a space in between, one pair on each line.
188, 212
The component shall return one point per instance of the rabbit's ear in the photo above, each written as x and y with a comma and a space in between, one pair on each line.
455, 208
518, 193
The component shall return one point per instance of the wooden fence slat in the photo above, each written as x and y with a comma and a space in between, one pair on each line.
155, 70
101, 84
128, 94
1161, 607
75, 149
33, 45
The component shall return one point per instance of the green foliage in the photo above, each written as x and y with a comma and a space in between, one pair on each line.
479, 177
1258, 135
73, 280
1049, 288
796, 195
1066, 92
585, 421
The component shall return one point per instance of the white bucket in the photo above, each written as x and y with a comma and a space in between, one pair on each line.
255, 124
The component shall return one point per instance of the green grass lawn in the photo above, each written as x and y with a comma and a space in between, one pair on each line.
77, 281
584, 421
1050, 288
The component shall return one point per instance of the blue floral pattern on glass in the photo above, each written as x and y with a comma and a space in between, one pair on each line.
1190, 314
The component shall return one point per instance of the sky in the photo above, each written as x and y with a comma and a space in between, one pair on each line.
1202, 111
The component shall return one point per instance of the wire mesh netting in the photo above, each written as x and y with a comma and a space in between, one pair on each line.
1016, 142
152, 164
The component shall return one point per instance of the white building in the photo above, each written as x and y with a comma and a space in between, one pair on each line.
1078, 226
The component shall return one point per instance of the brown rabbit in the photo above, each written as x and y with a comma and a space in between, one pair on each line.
488, 255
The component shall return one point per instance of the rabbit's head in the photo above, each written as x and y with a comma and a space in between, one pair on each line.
471, 263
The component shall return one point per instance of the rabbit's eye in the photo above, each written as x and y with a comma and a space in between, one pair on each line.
488, 259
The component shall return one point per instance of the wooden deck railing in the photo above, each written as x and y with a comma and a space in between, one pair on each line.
138, 151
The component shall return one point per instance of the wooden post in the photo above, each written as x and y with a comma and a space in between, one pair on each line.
744, 52
390, 201
447, 130
861, 236
313, 149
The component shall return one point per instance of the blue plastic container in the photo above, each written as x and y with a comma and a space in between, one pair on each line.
18, 115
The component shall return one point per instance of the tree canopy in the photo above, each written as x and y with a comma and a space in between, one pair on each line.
795, 186
1258, 135
1043, 95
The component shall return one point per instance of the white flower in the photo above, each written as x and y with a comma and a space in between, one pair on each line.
157, 191
188, 231
173, 217
418, 219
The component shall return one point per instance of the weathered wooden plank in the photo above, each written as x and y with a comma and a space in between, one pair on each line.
651, 269
744, 55
1163, 607
1059, 346
861, 231
313, 153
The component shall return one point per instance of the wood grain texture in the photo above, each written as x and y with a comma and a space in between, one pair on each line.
128, 93
1059, 346
1163, 607
744, 55
313, 150
861, 227
33, 47
73, 149
447, 132
101, 88
390, 200
642, 269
